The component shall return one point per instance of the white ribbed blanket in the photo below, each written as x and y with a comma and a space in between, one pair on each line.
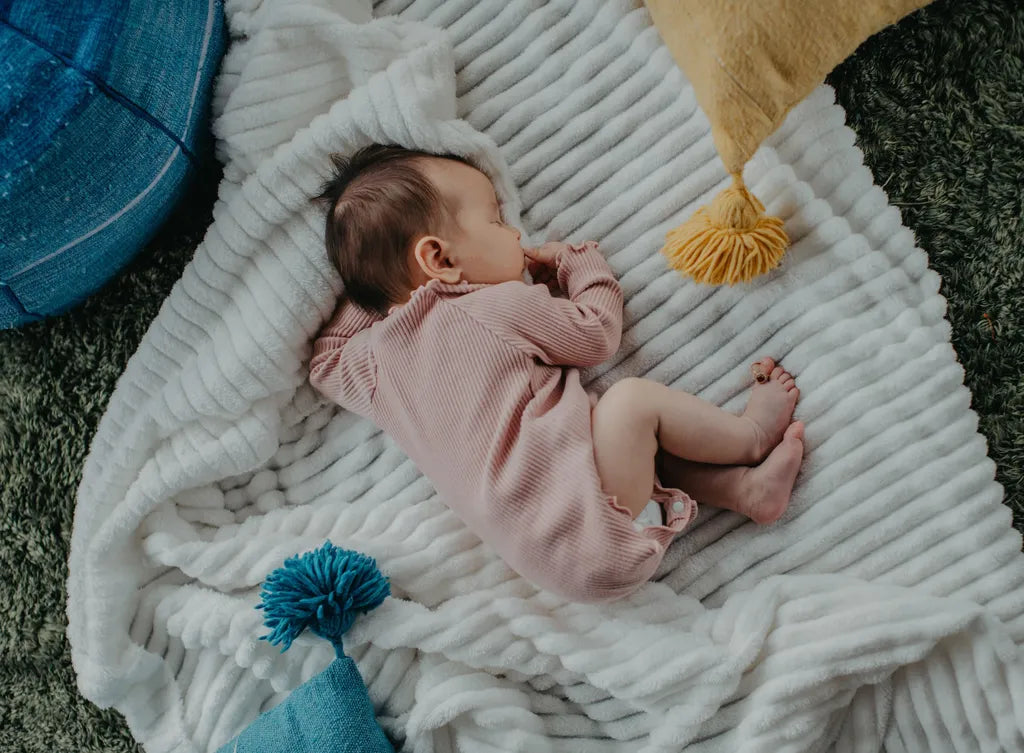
885, 610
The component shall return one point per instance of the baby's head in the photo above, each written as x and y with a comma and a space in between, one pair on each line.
398, 218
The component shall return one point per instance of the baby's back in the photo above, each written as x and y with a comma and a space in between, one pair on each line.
451, 392
479, 385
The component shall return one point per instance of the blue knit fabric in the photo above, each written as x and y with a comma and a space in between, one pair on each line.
330, 713
323, 591
104, 105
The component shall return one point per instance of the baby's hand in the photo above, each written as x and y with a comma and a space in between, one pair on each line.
542, 274
543, 264
546, 254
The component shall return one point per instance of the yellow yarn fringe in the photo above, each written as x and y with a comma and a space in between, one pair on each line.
730, 240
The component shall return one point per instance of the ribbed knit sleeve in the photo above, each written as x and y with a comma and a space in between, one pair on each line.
581, 331
342, 367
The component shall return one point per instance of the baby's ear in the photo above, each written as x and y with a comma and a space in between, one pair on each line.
432, 256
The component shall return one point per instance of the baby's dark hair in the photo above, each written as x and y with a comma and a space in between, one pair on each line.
378, 203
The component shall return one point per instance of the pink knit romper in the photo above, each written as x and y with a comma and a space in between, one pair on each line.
478, 384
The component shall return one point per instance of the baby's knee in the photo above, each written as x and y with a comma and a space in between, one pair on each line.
629, 397
628, 388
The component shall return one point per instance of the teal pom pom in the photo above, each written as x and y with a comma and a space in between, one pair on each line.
321, 590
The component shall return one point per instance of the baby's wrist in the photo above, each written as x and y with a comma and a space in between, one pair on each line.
575, 248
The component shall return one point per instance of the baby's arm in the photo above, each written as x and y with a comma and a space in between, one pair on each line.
581, 331
342, 367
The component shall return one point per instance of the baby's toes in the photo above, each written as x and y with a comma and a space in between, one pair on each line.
777, 373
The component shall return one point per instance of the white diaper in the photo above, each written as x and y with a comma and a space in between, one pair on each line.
649, 516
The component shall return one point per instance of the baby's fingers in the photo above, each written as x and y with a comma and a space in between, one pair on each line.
546, 253
532, 254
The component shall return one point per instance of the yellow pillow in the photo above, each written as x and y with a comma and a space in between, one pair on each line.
749, 62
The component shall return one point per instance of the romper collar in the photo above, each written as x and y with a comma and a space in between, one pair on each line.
441, 287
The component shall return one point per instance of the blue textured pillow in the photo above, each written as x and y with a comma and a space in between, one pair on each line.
330, 713
103, 110
322, 591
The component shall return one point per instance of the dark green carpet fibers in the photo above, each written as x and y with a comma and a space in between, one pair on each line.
937, 103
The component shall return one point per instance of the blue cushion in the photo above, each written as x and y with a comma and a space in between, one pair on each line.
103, 111
329, 714
322, 591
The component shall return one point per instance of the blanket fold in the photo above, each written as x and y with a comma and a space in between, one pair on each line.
885, 610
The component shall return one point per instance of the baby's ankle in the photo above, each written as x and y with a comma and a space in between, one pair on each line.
760, 443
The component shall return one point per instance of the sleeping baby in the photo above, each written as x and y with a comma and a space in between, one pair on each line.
474, 372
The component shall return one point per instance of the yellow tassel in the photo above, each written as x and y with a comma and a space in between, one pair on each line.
730, 240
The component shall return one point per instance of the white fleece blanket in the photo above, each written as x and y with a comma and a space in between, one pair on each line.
886, 609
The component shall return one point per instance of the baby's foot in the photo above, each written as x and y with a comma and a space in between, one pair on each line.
771, 405
770, 484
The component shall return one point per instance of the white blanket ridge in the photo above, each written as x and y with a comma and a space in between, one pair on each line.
885, 610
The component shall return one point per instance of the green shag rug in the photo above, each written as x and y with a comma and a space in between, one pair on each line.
937, 103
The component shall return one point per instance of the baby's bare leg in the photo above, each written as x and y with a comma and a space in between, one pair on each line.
625, 443
761, 493
636, 416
